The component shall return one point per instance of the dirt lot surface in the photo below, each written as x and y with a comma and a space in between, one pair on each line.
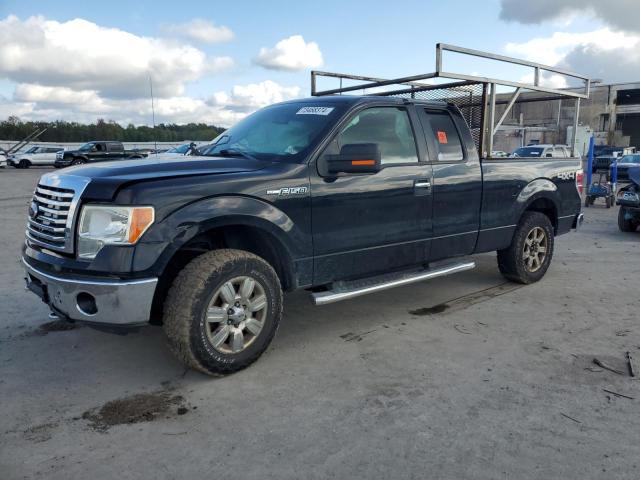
462, 377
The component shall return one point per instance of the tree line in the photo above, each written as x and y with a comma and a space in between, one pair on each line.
60, 131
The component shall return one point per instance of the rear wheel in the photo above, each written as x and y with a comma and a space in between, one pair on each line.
529, 255
222, 311
626, 223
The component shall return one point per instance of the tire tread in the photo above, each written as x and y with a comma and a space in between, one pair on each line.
509, 260
182, 296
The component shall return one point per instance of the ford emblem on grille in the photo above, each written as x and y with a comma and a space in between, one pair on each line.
33, 210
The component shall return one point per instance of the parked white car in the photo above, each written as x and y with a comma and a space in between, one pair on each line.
3, 159
35, 155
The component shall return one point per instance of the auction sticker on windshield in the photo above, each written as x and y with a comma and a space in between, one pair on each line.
314, 111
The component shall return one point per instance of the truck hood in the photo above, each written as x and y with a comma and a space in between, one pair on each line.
103, 179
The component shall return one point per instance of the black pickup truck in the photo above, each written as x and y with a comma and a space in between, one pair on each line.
96, 151
338, 195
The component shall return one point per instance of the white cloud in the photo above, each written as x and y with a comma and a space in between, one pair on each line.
80, 71
246, 98
291, 54
36, 102
200, 30
551, 81
81, 55
606, 54
27, 92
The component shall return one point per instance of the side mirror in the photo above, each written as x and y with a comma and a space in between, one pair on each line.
355, 158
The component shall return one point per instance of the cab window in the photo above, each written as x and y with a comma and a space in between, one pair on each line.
389, 127
446, 136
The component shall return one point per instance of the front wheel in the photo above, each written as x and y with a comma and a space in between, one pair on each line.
24, 163
77, 161
528, 257
222, 311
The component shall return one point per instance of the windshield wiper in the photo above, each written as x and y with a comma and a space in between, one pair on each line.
231, 152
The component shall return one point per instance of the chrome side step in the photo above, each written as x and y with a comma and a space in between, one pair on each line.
350, 289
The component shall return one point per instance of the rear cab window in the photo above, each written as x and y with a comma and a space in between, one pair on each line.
115, 147
441, 127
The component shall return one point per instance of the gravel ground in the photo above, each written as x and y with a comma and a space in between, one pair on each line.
462, 377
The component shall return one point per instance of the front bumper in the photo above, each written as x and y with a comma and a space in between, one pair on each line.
96, 301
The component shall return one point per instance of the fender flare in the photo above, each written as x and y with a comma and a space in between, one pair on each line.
165, 238
538, 189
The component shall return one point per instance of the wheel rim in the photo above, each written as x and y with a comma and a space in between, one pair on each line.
535, 249
236, 314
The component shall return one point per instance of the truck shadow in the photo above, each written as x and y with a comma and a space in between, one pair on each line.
83, 356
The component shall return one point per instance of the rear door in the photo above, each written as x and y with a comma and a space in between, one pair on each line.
457, 182
48, 156
368, 224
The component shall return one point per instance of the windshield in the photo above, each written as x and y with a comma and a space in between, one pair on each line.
86, 147
630, 159
32, 150
528, 152
181, 149
285, 132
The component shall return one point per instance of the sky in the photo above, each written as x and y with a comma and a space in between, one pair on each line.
215, 62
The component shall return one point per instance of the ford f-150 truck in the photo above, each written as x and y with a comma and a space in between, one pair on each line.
95, 152
338, 195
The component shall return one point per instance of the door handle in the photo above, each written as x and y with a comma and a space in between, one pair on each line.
422, 184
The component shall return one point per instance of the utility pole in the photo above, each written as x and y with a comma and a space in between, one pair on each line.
153, 117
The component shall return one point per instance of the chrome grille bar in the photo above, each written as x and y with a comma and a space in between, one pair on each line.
46, 191
53, 211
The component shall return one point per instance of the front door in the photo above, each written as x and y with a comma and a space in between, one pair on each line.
368, 224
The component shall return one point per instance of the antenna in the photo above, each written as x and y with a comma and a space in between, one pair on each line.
153, 118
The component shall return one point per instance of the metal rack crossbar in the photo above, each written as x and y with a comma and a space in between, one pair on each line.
474, 95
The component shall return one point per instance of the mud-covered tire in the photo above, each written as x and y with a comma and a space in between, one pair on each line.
188, 300
511, 260
626, 224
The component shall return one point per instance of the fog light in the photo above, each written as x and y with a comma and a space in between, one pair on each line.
86, 304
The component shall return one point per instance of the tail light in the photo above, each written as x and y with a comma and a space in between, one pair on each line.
580, 181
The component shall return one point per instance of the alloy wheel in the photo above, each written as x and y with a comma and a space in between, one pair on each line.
236, 314
535, 249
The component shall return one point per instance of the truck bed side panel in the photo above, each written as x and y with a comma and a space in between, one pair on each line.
510, 186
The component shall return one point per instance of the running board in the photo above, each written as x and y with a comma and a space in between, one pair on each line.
350, 289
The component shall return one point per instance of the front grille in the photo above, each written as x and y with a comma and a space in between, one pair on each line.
50, 216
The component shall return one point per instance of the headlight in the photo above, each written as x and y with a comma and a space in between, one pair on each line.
102, 225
